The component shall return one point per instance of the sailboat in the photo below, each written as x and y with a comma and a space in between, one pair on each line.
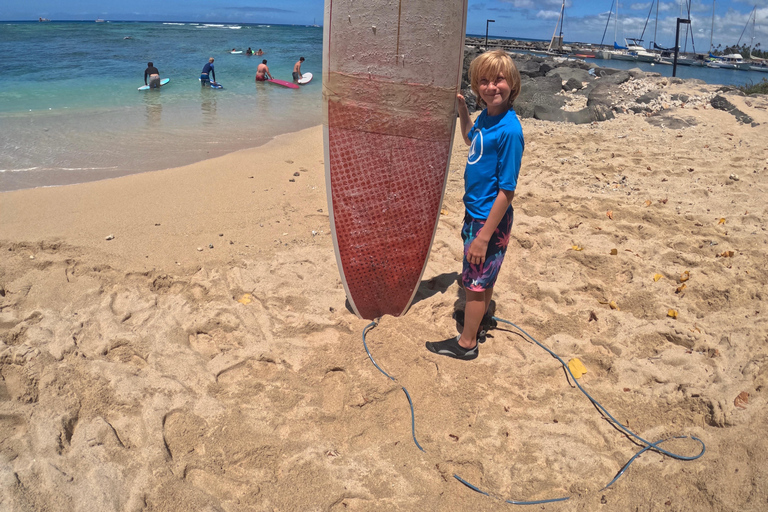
729, 61
760, 64
556, 43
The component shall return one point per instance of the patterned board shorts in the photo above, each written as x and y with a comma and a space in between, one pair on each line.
477, 278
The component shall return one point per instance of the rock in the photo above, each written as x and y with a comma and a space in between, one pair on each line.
539, 91
572, 84
583, 116
110, 237
648, 97
617, 78
680, 97
529, 68
548, 113
720, 103
600, 103
567, 73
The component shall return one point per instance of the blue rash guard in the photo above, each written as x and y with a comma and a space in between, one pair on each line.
494, 161
208, 70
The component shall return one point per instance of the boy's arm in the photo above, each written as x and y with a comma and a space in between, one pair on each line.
479, 246
464, 121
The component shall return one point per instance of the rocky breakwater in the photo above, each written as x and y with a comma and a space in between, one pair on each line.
574, 91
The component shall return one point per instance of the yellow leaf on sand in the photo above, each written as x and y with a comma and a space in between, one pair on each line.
614, 252
609, 214
577, 368
577, 248
247, 298
656, 277
614, 305
721, 221
685, 276
680, 288
672, 313
648, 203
443, 211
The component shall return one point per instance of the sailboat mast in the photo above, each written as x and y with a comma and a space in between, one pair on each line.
562, 9
656, 24
712, 30
616, 24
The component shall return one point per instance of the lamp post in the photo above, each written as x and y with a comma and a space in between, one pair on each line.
677, 42
486, 30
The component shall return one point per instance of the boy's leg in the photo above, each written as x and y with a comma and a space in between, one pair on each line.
473, 315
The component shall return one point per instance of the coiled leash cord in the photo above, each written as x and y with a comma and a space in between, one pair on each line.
648, 445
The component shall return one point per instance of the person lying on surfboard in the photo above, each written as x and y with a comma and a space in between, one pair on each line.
490, 179
259, 52
297, 69
262, 72
207, 73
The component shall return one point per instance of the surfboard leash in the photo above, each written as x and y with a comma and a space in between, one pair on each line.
648, 445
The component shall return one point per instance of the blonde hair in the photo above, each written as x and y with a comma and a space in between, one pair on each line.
490, 65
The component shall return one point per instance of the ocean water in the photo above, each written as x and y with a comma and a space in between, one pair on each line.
70, 110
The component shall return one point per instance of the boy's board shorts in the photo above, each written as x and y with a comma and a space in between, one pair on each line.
205, 80
261, 79
296, 76
477, 278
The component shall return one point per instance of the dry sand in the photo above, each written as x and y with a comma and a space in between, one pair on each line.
133, 379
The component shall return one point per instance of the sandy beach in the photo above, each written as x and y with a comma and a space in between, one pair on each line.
178, 340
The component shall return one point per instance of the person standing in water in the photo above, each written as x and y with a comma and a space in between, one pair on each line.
297, 69
262, 72
207, 73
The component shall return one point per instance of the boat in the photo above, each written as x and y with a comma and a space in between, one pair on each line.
43, 19
730, 61
99, 20
762, 67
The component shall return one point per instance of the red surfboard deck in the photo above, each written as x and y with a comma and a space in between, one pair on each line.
391, 71
290, 85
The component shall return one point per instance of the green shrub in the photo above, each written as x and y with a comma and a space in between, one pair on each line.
752, 88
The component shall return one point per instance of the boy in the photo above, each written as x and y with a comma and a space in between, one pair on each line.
297, 69
207, 73
490, 179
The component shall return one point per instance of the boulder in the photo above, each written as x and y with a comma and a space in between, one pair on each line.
599, 101
720, 103
572, 84
566, 73
529, 68
648, 97
617, 78
548, 113
540, 91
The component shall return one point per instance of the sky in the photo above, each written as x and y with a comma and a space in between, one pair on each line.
585, 21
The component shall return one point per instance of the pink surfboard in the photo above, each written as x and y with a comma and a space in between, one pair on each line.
290, 85
391, 71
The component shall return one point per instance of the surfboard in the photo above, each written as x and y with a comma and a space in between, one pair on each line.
214, 85
163, 82
238, 52
391, 72
290, 85
305, 78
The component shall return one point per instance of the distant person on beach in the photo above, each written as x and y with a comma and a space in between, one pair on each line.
207, 73
297, 69
262, 72
490, 180
259, 52
154, 76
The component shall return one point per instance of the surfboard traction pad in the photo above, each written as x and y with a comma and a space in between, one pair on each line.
389, 170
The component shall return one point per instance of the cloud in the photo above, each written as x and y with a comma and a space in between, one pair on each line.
547, 15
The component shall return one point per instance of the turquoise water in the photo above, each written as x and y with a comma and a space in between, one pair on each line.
70, 110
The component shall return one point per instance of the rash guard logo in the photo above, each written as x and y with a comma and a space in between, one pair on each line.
476, 149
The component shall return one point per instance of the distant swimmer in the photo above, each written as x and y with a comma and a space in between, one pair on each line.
259, 52
154, 76
262, 72
297, 69
249, 51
